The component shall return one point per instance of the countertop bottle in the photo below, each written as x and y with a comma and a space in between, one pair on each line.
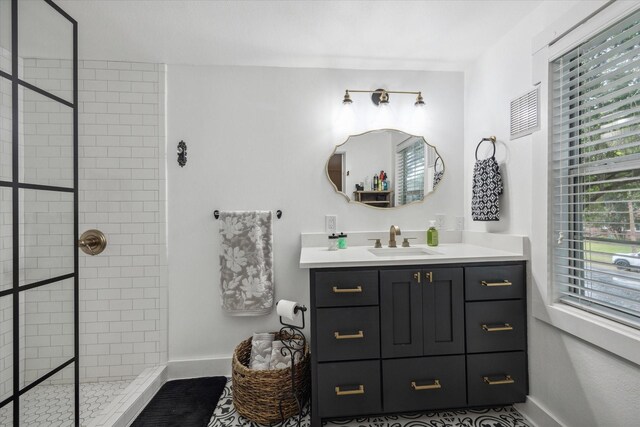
333, 242
432, 234
342, 241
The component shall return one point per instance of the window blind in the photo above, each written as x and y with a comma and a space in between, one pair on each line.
410, 173
596, 174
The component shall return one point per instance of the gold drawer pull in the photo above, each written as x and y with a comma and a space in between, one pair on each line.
435, 385
493, 284
429, 276
507, 380
355, 290
359, 390
505, 327
360, 334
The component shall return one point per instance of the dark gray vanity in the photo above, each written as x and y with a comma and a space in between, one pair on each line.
417, 338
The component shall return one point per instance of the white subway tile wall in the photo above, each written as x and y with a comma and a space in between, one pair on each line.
6, 347
5, 127
121, 192
123, 325
6, 231
47, 325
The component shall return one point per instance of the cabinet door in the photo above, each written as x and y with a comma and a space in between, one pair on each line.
443, 311
400, 313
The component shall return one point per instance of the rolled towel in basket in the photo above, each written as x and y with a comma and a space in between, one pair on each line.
280, 360
261, 344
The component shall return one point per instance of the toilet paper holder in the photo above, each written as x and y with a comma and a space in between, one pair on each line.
295, 343
298, 308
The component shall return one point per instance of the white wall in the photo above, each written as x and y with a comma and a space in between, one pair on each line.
575, 382
258, 138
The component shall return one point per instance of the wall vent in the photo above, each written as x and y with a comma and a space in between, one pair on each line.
525, 114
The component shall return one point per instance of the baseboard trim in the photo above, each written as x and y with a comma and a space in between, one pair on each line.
537, 413
196, 368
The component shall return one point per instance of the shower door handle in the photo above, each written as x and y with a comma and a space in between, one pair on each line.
92, 242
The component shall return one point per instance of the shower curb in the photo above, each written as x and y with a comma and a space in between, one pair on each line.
125, 407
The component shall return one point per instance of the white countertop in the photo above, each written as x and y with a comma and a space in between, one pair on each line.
491, 248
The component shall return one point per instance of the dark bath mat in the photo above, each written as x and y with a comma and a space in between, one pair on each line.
184, 403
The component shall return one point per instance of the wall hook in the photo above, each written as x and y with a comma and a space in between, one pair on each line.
182, 153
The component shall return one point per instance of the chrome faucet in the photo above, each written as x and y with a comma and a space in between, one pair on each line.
393, 232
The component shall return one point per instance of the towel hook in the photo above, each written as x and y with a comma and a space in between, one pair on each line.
216, 214
491, 139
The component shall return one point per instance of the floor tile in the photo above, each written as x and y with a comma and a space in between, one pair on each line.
225, 415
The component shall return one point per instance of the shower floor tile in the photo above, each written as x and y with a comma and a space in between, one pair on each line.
48, 405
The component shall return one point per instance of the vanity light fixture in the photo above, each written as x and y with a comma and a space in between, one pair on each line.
380, 97
347, 99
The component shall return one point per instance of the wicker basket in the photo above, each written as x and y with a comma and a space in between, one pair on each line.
257, 394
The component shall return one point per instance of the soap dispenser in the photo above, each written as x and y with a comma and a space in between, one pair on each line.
432, 234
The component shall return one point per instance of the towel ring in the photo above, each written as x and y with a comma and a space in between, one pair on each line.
492, 139
435, 164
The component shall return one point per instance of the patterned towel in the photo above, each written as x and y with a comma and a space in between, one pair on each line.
281, 356
487, 186
246, 263
261, 351
437, 177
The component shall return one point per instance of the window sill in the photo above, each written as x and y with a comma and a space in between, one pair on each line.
611, 336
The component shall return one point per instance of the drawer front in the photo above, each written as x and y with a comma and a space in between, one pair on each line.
349, 388
496, 326
346, 288
424, 383
497, 378
347, 333
494, 282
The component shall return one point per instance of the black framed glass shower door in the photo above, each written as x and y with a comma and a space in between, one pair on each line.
39, 343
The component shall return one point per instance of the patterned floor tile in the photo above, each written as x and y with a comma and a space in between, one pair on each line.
225, 415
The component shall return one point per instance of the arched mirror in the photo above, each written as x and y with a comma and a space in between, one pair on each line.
385, 168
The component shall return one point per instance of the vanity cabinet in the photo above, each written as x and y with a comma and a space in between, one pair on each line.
422, 312
417, 338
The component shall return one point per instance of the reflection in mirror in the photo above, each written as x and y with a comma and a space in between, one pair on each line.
385, 168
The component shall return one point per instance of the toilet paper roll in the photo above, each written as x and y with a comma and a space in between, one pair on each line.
286, 309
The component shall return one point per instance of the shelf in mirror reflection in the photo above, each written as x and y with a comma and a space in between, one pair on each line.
411, 168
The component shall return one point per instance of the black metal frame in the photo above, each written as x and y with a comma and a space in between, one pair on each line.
16, 185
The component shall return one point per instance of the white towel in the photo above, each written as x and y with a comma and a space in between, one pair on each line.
246, 263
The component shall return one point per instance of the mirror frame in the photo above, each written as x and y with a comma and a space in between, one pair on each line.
335, 149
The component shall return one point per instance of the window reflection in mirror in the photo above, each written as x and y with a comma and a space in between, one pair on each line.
385, 168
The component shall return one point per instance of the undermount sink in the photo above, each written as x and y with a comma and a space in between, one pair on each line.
386, 252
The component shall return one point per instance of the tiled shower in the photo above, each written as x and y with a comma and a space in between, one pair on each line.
121, 191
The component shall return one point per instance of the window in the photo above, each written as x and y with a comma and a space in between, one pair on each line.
596, 174
410, 167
